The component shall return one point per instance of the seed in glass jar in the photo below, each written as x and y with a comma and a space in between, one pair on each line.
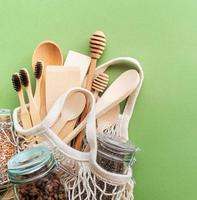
48, 188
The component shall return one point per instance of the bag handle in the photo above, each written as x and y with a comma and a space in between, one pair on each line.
129, 107
126, 116
128, 110
52, 116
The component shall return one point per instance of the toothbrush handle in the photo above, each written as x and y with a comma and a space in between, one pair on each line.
37, 94
34, 112
24, 113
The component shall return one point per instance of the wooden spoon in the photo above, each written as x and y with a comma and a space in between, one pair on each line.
121, 88
50, 53
73, 107
108, 119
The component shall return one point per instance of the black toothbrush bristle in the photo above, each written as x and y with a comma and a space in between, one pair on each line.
24, 77
16, 82
38, 69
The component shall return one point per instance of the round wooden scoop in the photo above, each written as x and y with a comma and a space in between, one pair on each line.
73, 107
50, 54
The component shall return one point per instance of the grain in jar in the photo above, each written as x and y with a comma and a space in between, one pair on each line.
7, 145
35, 175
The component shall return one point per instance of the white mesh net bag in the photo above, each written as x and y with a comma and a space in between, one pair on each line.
83, 178
121, 127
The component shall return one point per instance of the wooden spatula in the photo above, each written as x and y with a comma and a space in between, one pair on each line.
77, 59
58, 80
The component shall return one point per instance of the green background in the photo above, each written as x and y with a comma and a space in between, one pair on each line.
162, 35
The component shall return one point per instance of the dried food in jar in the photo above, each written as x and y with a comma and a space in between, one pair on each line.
8, 145
35, 176
115, 155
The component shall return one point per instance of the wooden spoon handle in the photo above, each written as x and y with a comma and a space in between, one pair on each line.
79, 138
57, 127
67, 129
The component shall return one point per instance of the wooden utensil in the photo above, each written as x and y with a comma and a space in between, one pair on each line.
34, 112
97, 46
108, 119
77, 59
50, 53
119, 90
58, 80
24, 113
38, 76
83, 62
100, 83
73, 107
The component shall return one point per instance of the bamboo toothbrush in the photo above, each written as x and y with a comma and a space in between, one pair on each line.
97, 46
34, 112
24, 113
38, 76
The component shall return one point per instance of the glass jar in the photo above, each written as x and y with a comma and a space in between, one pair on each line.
7, 146
115, 155
35, 175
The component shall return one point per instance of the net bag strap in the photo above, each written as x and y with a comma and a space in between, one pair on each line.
128, 111
129, 107
44, 127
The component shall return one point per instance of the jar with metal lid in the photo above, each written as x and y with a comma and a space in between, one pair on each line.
115, 155
34, 173
8, 145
